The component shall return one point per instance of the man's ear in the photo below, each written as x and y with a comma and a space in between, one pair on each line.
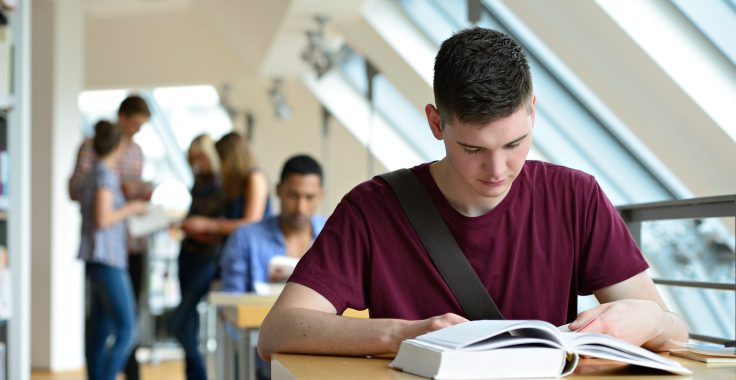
532, 109
434, 120
278, 189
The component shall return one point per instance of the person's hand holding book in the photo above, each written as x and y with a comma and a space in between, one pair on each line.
639, 322
412, 329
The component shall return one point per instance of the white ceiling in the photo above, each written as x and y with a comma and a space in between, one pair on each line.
267, 37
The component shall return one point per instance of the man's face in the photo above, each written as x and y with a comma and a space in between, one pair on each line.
300, 196
484, 160
131, 124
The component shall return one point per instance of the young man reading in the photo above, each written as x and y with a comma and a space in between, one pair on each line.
249, 249
536, 234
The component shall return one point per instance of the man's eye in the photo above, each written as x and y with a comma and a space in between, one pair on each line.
471, 151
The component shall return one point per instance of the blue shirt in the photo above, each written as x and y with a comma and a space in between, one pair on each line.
102, 245
248, 250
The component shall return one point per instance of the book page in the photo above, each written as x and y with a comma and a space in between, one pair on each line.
607, 347
156, 218
473, 333
281, 267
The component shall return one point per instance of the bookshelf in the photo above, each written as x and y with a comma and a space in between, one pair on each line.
15, 231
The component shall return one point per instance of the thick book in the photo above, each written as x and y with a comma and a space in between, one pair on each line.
515, 349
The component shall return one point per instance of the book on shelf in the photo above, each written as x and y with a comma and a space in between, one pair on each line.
515, 349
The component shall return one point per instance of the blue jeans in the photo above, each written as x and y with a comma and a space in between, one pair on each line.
112, 313
196, 272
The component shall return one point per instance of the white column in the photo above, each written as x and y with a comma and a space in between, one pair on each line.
57, 324
19, 242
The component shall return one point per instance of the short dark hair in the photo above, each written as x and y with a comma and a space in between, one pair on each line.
480, 75
134, 105
107, 138
301, 164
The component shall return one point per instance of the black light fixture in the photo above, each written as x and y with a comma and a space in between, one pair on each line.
282, 110
317, 53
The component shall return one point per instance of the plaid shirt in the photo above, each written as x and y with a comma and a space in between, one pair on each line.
129, 168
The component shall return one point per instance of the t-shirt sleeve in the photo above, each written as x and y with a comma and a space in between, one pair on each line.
131, 165
336, 264
234, 263
106, 180
609, 253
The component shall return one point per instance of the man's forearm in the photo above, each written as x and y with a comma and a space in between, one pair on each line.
315, 332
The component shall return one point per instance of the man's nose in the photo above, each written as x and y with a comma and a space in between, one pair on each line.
495, 165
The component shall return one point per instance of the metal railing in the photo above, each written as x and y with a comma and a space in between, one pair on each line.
707, 207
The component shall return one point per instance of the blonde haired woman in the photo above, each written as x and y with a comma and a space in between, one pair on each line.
198, 256
244, 188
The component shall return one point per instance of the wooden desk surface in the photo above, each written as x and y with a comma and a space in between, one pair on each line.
247, 310
312, 367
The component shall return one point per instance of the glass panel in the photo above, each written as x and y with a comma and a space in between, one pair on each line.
407, 121
694, 250
397, 111
716, 20
677, 50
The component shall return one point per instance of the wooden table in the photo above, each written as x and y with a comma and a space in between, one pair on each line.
237, 331
313, 367
238, 321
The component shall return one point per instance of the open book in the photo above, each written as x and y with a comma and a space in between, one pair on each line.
515, 349
279, 270
156, 218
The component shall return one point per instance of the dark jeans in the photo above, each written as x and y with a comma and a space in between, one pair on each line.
137, 271
112, 313
196, 271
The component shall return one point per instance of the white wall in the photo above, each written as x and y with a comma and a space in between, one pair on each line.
57, 277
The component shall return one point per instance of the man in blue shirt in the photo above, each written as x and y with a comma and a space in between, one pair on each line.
249, 248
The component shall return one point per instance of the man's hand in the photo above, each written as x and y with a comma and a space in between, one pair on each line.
634, 311
304, 321
412, 329
635, 321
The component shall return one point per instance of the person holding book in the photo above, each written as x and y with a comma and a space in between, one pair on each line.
103, 248
248, 251
133, 112
537, 235
199, 253
244, 187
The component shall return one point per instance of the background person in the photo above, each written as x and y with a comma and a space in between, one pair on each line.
249, 249
103, 248
244, 186
199, 253
133, 112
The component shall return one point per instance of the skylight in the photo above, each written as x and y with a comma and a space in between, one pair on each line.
689, 57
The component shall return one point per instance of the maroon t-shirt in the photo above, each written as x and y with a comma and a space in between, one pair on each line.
554, 236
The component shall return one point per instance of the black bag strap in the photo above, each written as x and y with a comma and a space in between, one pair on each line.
441, 245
